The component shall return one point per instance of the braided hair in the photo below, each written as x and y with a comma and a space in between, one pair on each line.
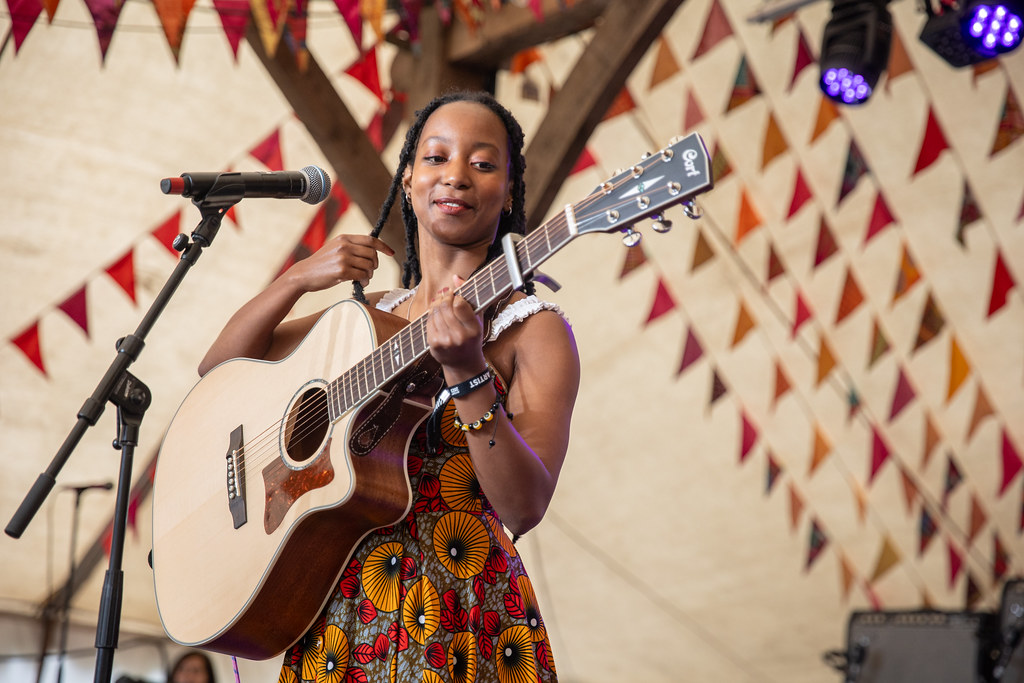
512, 222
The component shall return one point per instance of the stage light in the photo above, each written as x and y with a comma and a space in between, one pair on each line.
855, 49
974, 31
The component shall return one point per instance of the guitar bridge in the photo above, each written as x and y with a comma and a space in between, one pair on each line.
236, 477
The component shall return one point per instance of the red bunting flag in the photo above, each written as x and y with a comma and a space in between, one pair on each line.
692, 351
268, 152
744, 86
585, 161
123, 273
269, 17
1011, 122
694, 115
956, 562
817, 542
804, 57
851, 298
23, 17
908, 275
104, 15
826, 243
1002, 283
295, 32
748, 219
234, 19
166, 232
880, 218
365, 71
662, 304
748, 436
782, 383
28, 343
801, 193
1011, 463
349, 10
903, 395
879, 453
932, 145
623, 103
801, 315
716, 29
75, 308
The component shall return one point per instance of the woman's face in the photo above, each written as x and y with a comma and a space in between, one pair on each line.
458, 180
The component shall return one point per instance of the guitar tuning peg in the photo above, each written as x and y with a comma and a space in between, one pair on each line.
631, 237
691, 209
674, 139
660, 224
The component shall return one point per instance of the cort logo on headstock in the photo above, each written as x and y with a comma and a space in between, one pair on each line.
689, 156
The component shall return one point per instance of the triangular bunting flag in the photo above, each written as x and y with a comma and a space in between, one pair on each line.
782, 383
665, 64
816, 544
662, 304
907, 276
373, 13
296, 22
123, 273
899, 61
1000, 559
982, 409
801, 193
349, 10
75, 308
635, 257
804, 57
982, 68
28, 343
855, 167
692, 351
932, 323
718, 388
956, 562
104, 15
716, 29
926, 529
702, 251
775, 268
720, 166
880, 218
268, 152
879, 344
851, 298
166, 232
932, 145
903, 395
826, 361
623, 103
173, 16
953, 480
524, 58
959, 369
774, 142
852, 400
364, 70
969, 212
694, 115
822, 448
860, 498
772, 475
234, 19
748, 219
748, 436
931, 439
888, 557
778, 22
1002, 283
585, 161
827, 113
1011, 122
846, 575
973, 593
801, 315
744, 87
744, 323
796, 507
978, 519
826, 243
1011, 463
269, 17
879, 453
910, 492
23, 15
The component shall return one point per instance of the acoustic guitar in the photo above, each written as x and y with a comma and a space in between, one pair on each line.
271, 473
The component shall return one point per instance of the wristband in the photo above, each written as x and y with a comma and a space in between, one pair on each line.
472, 384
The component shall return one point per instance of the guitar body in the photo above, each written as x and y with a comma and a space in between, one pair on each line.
259, 499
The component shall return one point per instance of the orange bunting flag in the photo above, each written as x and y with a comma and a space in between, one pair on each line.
932, 145
373, 13
173, 16
716, 29
166, 232
888, 557
907, 276
782, 383
692, 351
932, 322
364, 70
623, 103
827, 113
931, 439
23, 15
662, 304
665, 64
744, 323
982, 68
982, 409
879, 344
268, 152
969, 212
744, 87
851, 298
234, 19
804, 57
75, 308
899, 61
694, 114
826, 361
817, 542
822, 449
903, 395
28, 343
123, 273
1002, 283
826, 243
718, 388
846, 575
801, 193
635, 257
801, 315
860, 498
774, 142
978, 519
1011, 122
523, 59
1011, 463
702, 252
796, 507
775, 267
879, 453
956, 562
959, 369
880, 218
269, 17
910, 492
748, 436
748, 219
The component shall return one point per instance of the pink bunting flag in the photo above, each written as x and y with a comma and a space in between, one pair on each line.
123, 273
349, 10
234, 19
748, 436
1002, 283
23, 17
801, 193
1011, 463
104, 15
75, 308
932, 145
692, 351
880, 218
409, 14
662, 304
365, 71
801, 315
804, 57
903, 395
879, 453
166, 232
268, 152
956, 562
28, 343
716, 29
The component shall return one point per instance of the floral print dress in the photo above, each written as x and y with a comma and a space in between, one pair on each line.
441, 596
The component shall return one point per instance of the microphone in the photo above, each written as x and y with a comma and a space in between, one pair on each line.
311, 184
85, 487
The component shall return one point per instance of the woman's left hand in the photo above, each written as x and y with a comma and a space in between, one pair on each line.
455, 334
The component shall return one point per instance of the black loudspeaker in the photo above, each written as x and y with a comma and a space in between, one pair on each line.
1010, 665
919, 646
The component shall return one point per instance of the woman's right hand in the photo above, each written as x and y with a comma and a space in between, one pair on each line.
345, 258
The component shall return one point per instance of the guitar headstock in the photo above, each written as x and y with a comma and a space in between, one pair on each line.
671, 176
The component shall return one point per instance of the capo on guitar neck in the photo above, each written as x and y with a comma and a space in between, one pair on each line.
515, 271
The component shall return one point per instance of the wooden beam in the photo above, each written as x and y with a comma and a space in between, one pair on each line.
502, 33
624, 33
355, 161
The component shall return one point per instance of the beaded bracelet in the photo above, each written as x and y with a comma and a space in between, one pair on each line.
472, 384
474, 426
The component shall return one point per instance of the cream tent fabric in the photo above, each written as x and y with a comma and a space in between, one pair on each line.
806, 403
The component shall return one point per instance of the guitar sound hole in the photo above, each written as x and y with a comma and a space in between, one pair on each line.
307, 425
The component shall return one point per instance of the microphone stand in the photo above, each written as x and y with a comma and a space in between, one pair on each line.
132, 398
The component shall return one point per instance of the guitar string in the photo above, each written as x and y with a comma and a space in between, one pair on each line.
264, 448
